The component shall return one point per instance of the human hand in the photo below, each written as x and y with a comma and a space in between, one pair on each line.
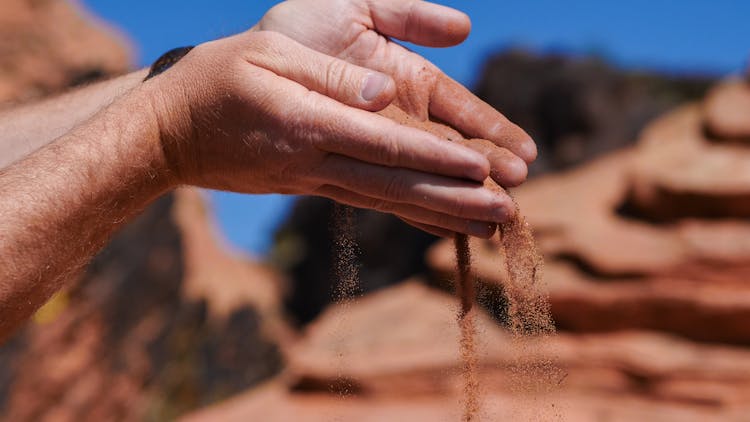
358, 30
259, 112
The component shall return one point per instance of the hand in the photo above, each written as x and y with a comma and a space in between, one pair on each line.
259, 112
358, 30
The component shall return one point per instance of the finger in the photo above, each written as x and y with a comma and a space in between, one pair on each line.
506, 168
444, 195
377, 139
372, 138
420, 22
457, 106
420, 215
333, 127
433, 230
335, 78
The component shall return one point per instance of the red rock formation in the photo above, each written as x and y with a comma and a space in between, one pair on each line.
727, 108
681, 173
629, 241
396, 351
143, 333
46, 46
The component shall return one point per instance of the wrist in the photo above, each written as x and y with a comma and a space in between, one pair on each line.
170, 107
138, 143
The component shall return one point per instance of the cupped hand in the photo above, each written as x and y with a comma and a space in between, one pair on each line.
259, 113
360, 32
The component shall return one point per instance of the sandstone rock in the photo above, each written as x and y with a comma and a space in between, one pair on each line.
46, 46
575, 216
681, 174
695, 308
579, 108
127, 340
275, 404
727, 110
396, 351
227, 280
404, 336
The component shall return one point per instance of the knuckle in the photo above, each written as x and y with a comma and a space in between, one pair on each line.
335, 77
394, 188
389, 152
266, 42
372, 203
497, 130
446, 222
384, 206
458, 206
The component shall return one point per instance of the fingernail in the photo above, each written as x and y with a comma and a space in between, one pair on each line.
373, 85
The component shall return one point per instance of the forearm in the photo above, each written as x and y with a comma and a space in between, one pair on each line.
26, 128
60, 204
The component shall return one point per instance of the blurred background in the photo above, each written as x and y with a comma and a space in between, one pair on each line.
218, 306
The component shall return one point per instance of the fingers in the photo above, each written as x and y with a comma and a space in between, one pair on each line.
419, 22
458, 107
505, 167
375, 139
335, 78
438, 222
460, 199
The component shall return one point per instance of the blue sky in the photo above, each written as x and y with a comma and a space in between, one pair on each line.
689, 36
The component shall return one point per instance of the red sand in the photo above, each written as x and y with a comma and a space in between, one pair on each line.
467, 295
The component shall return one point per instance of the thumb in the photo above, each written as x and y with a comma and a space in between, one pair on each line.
345, 82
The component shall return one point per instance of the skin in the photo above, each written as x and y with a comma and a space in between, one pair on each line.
22, 134
260, 112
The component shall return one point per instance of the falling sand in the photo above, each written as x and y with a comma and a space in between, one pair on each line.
528, 304
528, 312
466, 294
345, 253
347, 288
